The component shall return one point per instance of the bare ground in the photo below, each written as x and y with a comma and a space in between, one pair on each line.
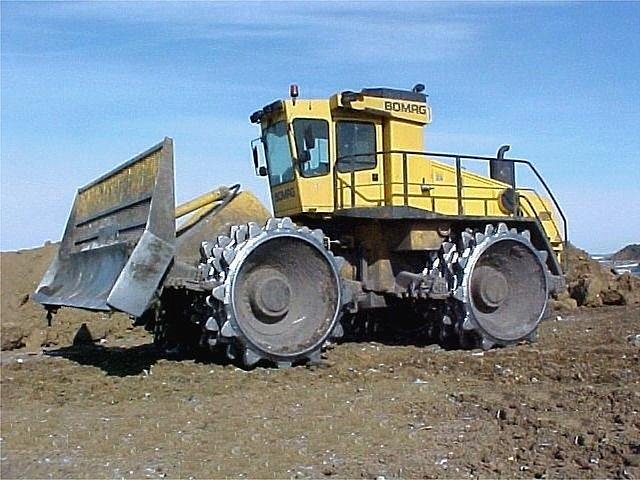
566, 406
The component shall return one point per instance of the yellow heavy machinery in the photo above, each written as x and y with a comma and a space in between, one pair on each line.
367, 226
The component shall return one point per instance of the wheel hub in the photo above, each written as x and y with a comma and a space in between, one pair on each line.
489, 287
271, 296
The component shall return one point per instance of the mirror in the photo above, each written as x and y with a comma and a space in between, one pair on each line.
309, 139
254, 151
262, 171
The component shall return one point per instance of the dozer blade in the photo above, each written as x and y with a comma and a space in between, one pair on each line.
119, 239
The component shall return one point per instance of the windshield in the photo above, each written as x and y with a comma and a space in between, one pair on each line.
278, 153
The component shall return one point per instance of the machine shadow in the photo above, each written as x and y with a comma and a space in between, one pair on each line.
124, 361
371, 329
420, 341
114, 361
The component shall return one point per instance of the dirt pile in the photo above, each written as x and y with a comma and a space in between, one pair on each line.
630, 252
244, 208
23, 321
591, 284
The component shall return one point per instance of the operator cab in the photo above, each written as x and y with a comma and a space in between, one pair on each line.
316, 151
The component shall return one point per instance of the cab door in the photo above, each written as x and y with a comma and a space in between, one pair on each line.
359, 166
311, 144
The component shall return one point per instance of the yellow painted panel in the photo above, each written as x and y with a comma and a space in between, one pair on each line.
402, 110
286, 198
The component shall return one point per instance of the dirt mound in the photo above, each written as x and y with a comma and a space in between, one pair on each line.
591, 284
244, 208
630, 252
23, 321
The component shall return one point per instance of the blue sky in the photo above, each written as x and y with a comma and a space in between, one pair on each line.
88, 85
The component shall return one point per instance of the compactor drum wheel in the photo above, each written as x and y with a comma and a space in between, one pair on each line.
500, 286
276, 293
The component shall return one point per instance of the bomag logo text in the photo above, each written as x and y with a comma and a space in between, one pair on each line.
284, 194
405, 107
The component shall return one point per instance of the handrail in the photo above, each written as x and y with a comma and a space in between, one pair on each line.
458, 167
565, 264
539, 199
354, 193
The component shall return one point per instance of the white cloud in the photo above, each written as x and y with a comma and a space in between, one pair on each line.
369, 32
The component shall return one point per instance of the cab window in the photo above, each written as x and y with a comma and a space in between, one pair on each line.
278, 153
312, 146
356, 146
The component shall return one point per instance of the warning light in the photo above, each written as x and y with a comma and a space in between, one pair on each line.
294, 91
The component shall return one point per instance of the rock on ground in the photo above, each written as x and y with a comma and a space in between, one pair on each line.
592, 285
